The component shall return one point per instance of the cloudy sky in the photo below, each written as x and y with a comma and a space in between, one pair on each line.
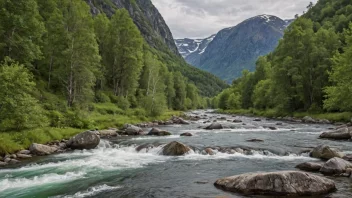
202, 18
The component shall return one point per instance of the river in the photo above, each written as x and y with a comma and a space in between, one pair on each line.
116, 169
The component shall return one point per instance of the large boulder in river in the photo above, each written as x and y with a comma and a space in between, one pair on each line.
338, 134
214, 125
335, 166
325, 152
285, 183
309, 166
132, 130
85, 140
40, 149
158, 132
175, 149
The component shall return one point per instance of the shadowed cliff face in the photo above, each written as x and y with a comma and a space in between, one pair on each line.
145, 16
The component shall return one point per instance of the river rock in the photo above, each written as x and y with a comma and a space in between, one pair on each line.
13, 161
309, 166
255, 140
257, 120
338, 134
348, 157
285, 183
237, 121
3, 163
272, 128
132, 130
209, 151
239, 150
308, 119
335, 166
214, 125
325, 152
40, 149
186, 134
109, 132
158, 132
178, 120
85, 140
23, 156
175, 149
146, 146
25, 152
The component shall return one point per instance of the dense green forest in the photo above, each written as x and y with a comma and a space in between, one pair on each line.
309, 71
60, 65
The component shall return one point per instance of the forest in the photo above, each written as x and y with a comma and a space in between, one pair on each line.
63, 70
309, 71
59, 63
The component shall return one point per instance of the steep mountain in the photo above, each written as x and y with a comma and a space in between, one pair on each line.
158, 35
192, 49
237, 48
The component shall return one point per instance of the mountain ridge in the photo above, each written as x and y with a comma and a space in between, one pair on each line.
238, 47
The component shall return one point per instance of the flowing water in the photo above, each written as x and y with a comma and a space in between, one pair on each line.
116, 169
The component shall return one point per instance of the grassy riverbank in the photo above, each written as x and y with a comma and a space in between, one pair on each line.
13, 141
333, 117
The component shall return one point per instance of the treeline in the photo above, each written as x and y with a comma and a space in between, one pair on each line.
58, 60
309, 71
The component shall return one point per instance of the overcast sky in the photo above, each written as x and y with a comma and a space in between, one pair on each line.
202, 18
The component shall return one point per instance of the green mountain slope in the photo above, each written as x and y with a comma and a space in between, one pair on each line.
156, 32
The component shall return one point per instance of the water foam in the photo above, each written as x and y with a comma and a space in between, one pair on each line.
9, 183
90, 192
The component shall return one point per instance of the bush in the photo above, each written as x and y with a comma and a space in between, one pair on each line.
123, 103
19, 109
56, 119
77, 119
100, 97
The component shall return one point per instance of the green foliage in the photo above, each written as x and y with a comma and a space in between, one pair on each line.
21, 30
18, 109
123, 103
101, 97
339, 95
310, 69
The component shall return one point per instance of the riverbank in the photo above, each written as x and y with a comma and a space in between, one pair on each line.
344, 117
144, 165
13, 141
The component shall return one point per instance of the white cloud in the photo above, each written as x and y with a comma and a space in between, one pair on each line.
201, 18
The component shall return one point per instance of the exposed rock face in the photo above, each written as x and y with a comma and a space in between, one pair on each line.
309, 166
192, 49
335, 166
236, 48
146, 17
85, 140
286, 183
214, 125
40, 149
158, 132
175, 149
325, 152
338, 134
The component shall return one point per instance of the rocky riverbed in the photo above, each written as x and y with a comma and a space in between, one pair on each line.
204, 156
